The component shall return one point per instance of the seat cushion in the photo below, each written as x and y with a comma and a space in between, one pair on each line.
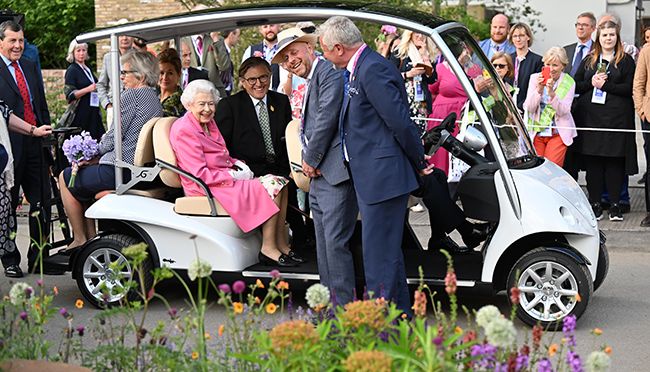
197, 206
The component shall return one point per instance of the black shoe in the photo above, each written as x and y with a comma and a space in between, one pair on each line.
598, 210
295, 257
646, 221
283, 260
479, 233
641, 181
624, 207
604, 204
615, 213
13, 271
447, 244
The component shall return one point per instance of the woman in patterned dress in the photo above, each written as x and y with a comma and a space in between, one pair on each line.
170, 76
139, 103
251, 202
12, 122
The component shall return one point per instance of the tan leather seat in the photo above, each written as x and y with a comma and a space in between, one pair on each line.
191, 205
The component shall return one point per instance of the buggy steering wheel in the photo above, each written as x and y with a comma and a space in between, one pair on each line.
436, 136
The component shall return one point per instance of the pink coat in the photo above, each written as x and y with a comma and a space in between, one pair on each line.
563, 118
207, 157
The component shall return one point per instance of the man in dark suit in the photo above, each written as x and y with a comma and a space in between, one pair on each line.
383, 151
240, 118
189, 73
331, 195
576, 52
23, 92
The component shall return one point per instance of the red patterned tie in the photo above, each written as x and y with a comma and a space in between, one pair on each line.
199, 46
24, 94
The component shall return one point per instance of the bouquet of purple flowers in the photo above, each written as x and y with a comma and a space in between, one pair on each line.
81, 147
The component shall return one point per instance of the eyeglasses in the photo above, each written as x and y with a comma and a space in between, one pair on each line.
499, 65
519, 36
262, 79
583, 25
124, 72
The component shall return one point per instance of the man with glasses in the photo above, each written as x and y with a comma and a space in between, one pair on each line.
253, 123
585, 26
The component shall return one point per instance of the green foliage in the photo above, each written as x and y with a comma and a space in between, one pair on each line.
52, 24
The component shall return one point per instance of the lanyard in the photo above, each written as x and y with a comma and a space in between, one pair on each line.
516, 71
86, 71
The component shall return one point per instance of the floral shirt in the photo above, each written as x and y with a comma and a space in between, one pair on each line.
172, 105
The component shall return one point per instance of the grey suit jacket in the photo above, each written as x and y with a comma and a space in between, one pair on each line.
208, 61
321, 123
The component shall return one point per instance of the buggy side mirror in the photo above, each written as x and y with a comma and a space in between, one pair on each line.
474, 139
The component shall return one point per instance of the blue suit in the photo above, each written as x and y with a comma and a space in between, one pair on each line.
384, 153
332, 199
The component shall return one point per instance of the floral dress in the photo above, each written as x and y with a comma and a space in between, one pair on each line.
7, 224
172, 105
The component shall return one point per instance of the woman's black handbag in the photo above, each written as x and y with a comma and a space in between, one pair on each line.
68, 116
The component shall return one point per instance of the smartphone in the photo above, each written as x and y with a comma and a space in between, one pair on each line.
601, 68
546, 74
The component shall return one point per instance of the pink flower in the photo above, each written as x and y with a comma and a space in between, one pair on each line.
238, 287
258, 54
275, 274
450, 282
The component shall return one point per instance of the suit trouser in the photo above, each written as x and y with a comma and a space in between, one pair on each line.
334, 208
382, 228
31, 174
646, 149
444, 215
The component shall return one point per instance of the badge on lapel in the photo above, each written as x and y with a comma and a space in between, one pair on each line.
272, 108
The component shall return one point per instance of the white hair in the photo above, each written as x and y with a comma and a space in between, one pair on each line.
144, 66
339, 30
198, 86
73, 46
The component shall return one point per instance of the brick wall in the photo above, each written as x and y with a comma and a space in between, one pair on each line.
53, 81
108, 12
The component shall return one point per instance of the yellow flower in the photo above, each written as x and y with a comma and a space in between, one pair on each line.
207, 336
282, 285
238, 307
79, 304
597, 331
195, 355
292, 337
608, 350
270, 308
55, 290
366, 313
221, 328
552, 350
458, 330
259, 284
373, 360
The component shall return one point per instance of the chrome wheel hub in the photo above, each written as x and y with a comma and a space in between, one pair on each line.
102, 277
548, 291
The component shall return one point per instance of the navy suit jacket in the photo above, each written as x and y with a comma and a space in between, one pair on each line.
11, 96
531, 65
383, 146
321, 122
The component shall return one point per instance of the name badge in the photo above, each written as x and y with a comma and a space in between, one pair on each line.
598, 96
94, 99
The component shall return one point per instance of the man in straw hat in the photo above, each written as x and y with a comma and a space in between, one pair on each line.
331, 196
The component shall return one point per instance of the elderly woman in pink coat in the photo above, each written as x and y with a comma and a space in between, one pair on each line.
251, 202
548, 103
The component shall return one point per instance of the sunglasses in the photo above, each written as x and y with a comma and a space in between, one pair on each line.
499, 65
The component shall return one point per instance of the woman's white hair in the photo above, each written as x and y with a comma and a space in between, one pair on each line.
144, 66
74, 45
198, 86
340, 30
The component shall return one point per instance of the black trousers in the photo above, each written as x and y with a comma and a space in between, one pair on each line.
444, 215
646, 150
604, 171
30, 173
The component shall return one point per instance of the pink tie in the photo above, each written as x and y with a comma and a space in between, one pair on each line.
199, 44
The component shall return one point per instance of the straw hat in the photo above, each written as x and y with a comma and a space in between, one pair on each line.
292, 35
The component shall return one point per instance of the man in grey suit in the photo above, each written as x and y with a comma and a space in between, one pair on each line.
331, 196
204, 55
125, 43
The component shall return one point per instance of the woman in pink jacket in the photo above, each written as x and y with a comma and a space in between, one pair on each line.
201, 150
548, 103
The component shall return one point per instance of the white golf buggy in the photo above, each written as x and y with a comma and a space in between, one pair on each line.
543, 239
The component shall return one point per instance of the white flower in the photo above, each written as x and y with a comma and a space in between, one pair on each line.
20, 292
487, 314
199, 269
501, 332
598, 361
317, 296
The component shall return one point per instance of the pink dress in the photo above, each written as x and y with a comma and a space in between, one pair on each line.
207, 157
449, 96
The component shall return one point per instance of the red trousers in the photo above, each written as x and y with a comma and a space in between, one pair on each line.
551, 148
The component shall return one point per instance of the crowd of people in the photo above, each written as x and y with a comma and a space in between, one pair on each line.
233, 138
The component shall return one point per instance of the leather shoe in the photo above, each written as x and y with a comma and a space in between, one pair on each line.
283, 260
478, 234
13, 271
295, 257
447, 244
646, 221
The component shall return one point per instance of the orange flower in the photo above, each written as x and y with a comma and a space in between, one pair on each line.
372, 360
552, 350
220, 331
270, 308
207, 336
458, 330
79, 304
292, 337
259, 284
608, 350
282, 285
597, 331
257, 300
420, 304
238, 307
195, 355
55, 290
578, 298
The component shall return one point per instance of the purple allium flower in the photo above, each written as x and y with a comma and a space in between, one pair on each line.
28, 292
225, 288
437, 341
275, 274
172, 312
23, 315
238, 287
574, 362
544, 365
80, 330
521, 362
569, 325
39, 282
64, 313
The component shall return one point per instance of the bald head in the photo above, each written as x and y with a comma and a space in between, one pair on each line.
499, 28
